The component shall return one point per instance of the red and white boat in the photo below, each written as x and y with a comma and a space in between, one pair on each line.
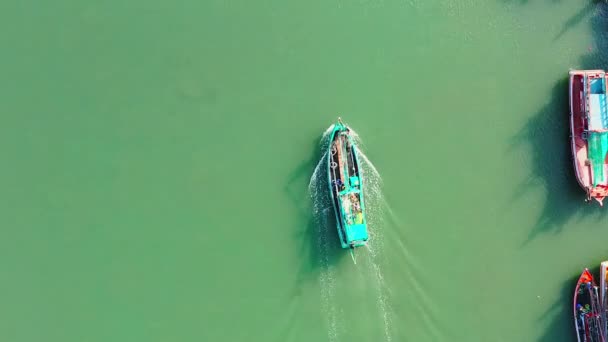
589, 131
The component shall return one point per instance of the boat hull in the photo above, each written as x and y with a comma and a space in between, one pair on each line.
346, 187
579, 131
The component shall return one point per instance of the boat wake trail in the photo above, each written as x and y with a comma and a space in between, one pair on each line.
372, 257
327, 281
321, 208
375, 206
412, 269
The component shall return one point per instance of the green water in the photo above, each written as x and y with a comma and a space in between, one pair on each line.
157, 157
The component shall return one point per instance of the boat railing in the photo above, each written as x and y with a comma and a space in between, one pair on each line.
587, 86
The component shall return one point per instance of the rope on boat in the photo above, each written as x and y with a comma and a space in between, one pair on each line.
598, 318
590, 320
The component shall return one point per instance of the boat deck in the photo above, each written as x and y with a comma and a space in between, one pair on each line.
579, 145
346, 190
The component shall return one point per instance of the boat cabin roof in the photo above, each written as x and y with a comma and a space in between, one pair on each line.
356, 232
597, 113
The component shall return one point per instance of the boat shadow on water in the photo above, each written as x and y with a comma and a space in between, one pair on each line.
577, 18
597, 56
315, 234
547, 134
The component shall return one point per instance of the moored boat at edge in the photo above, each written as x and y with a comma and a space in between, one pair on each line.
604, 296
589, 131
346, 187
587, 310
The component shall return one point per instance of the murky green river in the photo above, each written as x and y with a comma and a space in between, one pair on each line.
158, 161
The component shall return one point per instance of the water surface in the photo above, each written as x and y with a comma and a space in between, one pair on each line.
157, 164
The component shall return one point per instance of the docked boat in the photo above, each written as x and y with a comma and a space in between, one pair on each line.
604, 296
589, 131
346, 187
587, 310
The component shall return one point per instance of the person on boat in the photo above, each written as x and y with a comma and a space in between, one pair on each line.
582, 309
338, 183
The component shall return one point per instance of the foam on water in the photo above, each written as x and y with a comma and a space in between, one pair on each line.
411, 267
377, 208
374, 205
372, 257
321, 208
328, 285
371, 267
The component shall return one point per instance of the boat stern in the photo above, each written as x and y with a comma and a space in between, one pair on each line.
356, 235
598, 194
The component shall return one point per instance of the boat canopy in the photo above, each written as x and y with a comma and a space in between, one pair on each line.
597, 118
597, 112
597, 149
356, 232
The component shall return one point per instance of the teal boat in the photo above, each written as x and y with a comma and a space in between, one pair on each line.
346, 187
